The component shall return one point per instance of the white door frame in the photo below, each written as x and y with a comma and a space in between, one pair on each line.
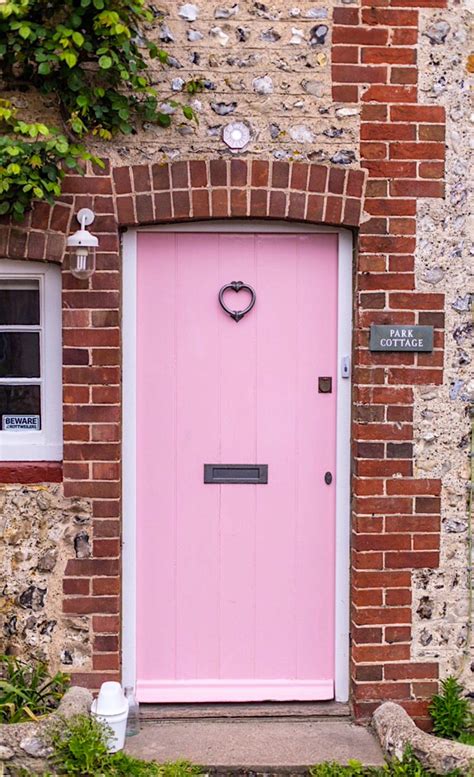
343, 469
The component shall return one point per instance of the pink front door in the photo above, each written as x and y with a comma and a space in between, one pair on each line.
235, 581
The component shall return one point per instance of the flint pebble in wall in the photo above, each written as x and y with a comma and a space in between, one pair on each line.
297, 36
220, 35
226, 13
437, 32
270, 36
194, 35
166, 36
318, 35
263, 85
189, 12
317, 13
223, 109
343, 157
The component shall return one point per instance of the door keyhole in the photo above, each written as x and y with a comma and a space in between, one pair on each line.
328, 478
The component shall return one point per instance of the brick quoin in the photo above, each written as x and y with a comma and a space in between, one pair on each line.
395, 516
402, 149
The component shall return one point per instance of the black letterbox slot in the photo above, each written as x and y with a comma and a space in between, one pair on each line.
236, 473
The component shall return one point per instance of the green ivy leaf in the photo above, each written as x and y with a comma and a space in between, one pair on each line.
164, 119
105, 62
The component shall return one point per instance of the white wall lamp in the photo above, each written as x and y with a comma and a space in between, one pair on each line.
82, 246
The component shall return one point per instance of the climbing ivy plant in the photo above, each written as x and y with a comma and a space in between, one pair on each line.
34, 159
92, 57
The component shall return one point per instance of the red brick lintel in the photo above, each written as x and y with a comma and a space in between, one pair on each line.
24, 472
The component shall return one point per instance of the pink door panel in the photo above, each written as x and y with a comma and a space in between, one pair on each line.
235, 581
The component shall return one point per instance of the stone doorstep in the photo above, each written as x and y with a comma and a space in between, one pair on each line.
261, 746
235, 710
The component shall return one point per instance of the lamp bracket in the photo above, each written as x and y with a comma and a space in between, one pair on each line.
85, 216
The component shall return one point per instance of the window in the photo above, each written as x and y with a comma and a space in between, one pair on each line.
30, 362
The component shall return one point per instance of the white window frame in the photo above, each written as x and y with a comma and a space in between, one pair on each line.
343, 439
45, 444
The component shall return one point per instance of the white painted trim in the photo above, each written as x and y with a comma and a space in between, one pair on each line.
343, 456
343, 468
129, 457
188, 691
235, 225
47, 444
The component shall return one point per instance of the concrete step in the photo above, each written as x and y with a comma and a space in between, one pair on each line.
263, 746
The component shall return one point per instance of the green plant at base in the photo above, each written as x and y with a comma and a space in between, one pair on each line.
80, 748
28, 692
450, 711
408, 766
33, 162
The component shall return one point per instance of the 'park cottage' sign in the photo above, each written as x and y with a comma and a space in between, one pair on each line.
399, 337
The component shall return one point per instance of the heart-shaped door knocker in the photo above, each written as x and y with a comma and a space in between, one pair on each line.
237, 286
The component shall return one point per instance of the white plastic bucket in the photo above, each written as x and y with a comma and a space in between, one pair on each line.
117, 722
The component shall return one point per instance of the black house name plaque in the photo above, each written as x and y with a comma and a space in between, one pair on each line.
400, 337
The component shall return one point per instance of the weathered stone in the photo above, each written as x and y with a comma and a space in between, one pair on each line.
437, 32
270, 36
194, 35
223, 109
6, 753
242, 34
166, 36
396, 731
318, 35
425, 608
301, 134
263, 85
297, 35
27, 745
317, 13
463, 304
189, 12
36, 747
343, 157
47, 561
220, 35
82, 546
316, 88
33, 598
226, 13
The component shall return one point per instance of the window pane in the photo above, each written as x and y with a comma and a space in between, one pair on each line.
19, 355
19, 302
20, 407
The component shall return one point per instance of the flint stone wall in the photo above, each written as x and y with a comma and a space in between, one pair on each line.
40, 530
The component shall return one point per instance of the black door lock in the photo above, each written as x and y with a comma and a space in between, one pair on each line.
328, 478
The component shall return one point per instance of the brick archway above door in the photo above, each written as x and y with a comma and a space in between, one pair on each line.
134, 195
237, 188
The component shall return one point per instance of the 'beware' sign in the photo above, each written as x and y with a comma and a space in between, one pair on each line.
20, 423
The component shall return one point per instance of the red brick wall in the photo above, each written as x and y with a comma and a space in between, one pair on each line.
396, 519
